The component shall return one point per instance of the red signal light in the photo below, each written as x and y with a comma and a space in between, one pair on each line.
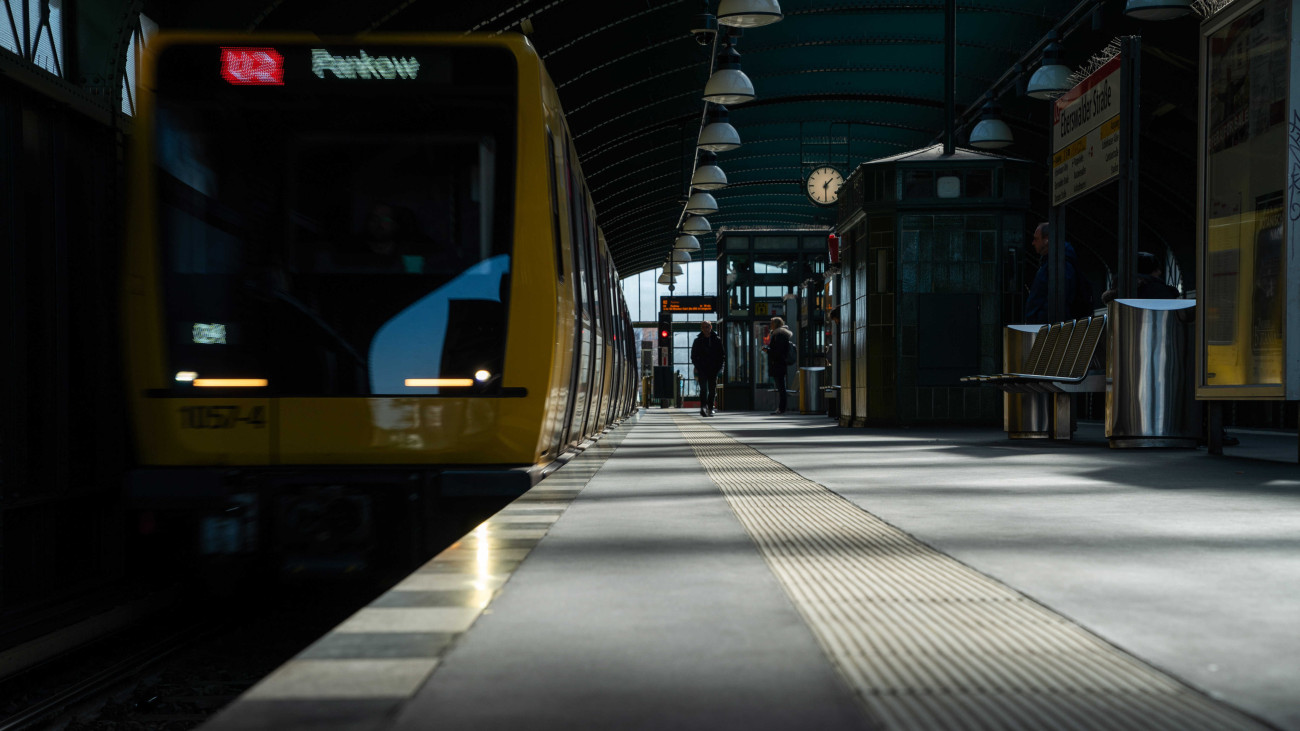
663, 333
252, 66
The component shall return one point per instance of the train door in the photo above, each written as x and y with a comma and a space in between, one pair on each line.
591, 313
559, 423
582, 286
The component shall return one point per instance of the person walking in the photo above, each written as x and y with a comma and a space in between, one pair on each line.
778, 345
707, 357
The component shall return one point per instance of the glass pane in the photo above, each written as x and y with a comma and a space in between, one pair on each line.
46, 41
736, 337
769, 243
649, 293
8, 33
918, 184
1244, 176
979, 184
302, 246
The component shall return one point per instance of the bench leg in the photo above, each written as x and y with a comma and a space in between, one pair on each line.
1062, 413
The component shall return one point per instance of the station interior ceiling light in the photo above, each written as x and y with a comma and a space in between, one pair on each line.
1052, 78
1157, 9
837, 83
991, 132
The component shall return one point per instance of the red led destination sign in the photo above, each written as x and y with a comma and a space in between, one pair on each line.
252, 66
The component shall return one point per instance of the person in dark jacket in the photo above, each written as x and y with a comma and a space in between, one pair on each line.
777, 345
1151, 279
707, 357
1149, 283
1036, 305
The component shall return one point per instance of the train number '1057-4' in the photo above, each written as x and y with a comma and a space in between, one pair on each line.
222, 417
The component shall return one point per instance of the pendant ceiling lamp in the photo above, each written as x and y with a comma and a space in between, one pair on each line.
681, 256
708, 176
728, 84
673, 268
991, 132
696, 226
687, 242
701, 204
667, 279
718, 135
1052, 78
749, 13
1157, 9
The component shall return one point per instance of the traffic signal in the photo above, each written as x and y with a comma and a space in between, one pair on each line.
665, 336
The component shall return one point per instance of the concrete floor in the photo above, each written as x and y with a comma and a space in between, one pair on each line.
1188, 561
646, 606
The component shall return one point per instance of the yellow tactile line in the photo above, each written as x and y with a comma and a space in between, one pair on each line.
926, 641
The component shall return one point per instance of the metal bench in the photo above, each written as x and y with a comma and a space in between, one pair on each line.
1058, 361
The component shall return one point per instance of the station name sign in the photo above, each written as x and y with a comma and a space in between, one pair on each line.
688, 304
1085, 134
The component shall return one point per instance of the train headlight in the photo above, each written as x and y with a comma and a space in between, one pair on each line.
482, 376
186, 376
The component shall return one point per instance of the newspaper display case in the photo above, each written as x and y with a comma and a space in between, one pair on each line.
1248, 261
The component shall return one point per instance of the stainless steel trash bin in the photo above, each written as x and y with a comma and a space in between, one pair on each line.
810, 389
1151, 364
1024, 415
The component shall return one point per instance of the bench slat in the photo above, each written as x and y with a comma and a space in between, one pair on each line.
1066, 329
1035, 350
1087, 348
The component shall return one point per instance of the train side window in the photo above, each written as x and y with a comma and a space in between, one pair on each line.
578, 229
555, 204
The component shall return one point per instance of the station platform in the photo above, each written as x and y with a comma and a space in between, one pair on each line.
778, 572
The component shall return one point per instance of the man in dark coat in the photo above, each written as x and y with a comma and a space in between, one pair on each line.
707, 356
777, 346
1036, 304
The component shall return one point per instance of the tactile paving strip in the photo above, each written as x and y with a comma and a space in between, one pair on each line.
926, 641
387, 650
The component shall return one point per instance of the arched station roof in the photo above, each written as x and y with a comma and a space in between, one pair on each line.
837, 81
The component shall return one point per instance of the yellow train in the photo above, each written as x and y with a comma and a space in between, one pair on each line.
363, 279
1244, 302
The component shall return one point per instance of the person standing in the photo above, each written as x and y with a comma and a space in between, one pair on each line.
1149, 283
1036, 306
707, 357
778, 344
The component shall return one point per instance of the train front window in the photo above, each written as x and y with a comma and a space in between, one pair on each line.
341, 239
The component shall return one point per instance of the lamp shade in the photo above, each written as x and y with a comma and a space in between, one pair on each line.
687, 242
673, 268
1052, 78
749, 13
728, 84
708, 177
695, 226
1157, 9
991, 132
701, 204
667, 279
718, 135
680, 256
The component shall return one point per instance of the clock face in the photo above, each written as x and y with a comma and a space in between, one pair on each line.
824, 185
